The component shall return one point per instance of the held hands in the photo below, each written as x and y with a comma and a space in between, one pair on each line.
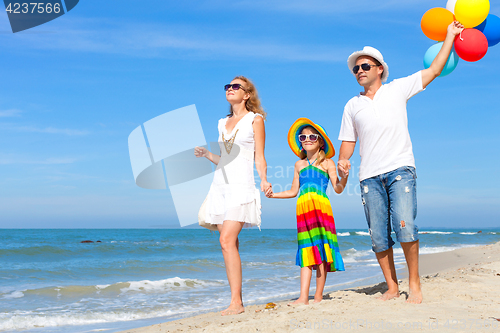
200, 152
269, 192
344, 166
266, 187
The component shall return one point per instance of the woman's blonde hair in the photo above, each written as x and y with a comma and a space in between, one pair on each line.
253, 103
321, 154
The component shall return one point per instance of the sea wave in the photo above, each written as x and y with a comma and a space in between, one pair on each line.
438, 249
165, 285
284, 263
110, 290
436, 232
355, 256
434, 249
33, 250
34, 320
15, 294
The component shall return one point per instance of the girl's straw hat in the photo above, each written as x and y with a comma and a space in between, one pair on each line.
296, 129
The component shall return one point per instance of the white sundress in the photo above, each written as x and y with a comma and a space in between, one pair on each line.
233, 195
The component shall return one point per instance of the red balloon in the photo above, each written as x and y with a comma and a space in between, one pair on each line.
471, 45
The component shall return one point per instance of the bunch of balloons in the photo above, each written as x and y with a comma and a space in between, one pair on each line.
482, 30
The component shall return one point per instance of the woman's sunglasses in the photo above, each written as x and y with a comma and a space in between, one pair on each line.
234, 86
310, 137
366, 67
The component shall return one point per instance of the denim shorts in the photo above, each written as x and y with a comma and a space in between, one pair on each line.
391, 198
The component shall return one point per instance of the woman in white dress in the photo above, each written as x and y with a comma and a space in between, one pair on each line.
233, 202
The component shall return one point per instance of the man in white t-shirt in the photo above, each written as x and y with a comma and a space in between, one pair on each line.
377, 118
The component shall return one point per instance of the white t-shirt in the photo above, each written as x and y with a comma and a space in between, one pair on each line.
381, 125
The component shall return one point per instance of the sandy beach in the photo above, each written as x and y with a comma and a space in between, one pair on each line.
461, 294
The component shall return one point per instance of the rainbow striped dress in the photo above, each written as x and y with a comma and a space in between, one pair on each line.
316, 233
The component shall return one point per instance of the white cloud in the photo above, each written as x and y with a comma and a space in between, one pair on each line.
6, 160
48, 130
165, 41
10, 113
324, 7
52, 130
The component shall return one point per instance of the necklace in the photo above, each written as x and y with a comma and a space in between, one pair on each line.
228, 144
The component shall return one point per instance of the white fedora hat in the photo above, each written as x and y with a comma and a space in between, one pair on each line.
372, 52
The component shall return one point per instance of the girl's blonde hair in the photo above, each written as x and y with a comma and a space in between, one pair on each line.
253, 103
321, 154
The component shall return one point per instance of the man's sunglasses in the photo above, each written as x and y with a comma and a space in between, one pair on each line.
311, 137
234, 86
366, 67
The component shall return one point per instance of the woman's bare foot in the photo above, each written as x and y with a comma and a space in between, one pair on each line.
299, 302
414, 296
233, 309
389, 295
318, 299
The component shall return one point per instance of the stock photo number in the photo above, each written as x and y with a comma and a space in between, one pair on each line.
24, 15
40, 7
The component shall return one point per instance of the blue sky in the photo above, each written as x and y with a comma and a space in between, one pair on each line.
73, 89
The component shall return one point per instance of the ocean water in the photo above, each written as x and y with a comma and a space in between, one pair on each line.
52, 282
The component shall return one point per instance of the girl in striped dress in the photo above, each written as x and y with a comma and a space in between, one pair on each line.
317, 238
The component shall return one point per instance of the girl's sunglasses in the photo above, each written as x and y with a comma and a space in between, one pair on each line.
311, 137
234, 86
366, 67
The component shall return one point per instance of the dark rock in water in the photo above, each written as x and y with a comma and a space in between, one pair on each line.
480, 232
87, 241
98, 242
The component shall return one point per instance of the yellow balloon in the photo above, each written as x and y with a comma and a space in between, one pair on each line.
472, 13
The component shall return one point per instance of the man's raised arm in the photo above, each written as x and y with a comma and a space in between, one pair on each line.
429, 74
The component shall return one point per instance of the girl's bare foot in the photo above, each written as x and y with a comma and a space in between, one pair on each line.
299, 302
414, 296
233, 309
389, 295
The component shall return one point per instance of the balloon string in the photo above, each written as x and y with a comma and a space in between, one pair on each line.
461, 36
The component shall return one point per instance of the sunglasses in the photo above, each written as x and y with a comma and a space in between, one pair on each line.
234, 86
366, 67
310, 137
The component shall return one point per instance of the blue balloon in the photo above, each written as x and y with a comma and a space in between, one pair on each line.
491, 29
432, 52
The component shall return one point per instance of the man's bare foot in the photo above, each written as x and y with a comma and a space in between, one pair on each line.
414, 296
233, 309
298, 302
318, 300
389, 295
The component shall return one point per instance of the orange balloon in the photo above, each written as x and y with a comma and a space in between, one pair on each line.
435, 23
